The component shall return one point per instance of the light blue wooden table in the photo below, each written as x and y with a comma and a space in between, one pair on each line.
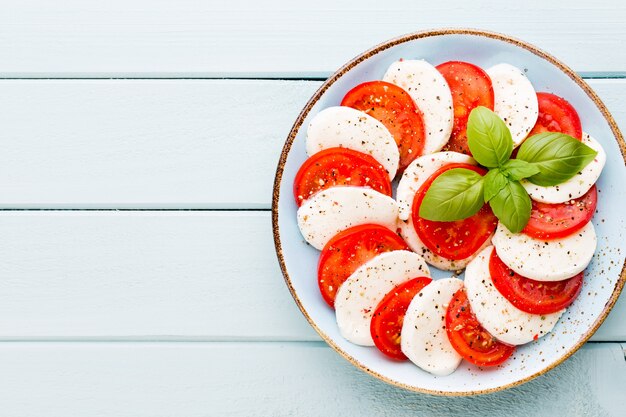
142, 137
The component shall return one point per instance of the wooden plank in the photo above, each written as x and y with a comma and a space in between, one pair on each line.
275, 379
143, 275
122, 38
153, 275
155, 143
144, 143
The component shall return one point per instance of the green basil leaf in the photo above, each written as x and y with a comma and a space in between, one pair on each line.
516, 169
454, 195
558, 156
488, 138
495, 181
512, 206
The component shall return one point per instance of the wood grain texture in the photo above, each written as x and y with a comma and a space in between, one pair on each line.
275, 38
271, 379
156, 143
144, 143
154, 276
143, 275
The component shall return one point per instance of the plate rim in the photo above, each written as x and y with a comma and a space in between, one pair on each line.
314, 99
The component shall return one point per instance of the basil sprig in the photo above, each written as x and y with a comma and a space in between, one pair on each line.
488, 138
512, 206
495, 180
544, 159
516, 169
458, 194
557, 156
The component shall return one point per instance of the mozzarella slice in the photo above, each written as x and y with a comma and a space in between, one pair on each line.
359, 295
419, 171
574, 187
412, 179
550, 260
346, 127
424, 339
515, 100
431, 94
330, 211
495, 313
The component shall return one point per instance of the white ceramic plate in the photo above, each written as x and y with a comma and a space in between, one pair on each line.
604, 277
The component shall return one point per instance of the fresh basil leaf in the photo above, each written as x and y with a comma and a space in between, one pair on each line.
454, 195
558, 156
495, 181
512, 206
516, 169
488, 137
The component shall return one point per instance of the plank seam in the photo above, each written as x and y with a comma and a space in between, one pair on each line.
175, 340
278, 77
137, 209
96, 341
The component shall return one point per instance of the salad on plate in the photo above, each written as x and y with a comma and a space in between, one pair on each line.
459, 168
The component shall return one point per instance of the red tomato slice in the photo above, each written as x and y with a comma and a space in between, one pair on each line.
470, 87
348, 250
556, 115
458, 239
535, 297
556, 221
395, 109
469, 338
339, 166
388, 317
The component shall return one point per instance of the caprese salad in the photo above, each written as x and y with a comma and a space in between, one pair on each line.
490, 177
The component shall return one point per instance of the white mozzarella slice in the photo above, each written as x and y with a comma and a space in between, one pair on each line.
346, 127
431, 93
330, 211
574, 187
424, 339
419, 171
550, 260
495, 313
515, 100
412, 179
359, 295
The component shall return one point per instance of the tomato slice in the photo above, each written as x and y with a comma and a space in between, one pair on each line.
339, 166
535, 297
348, 250
470, 87
458, 239
389, 315
395, 109
556, 221
469, 338
557, 115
